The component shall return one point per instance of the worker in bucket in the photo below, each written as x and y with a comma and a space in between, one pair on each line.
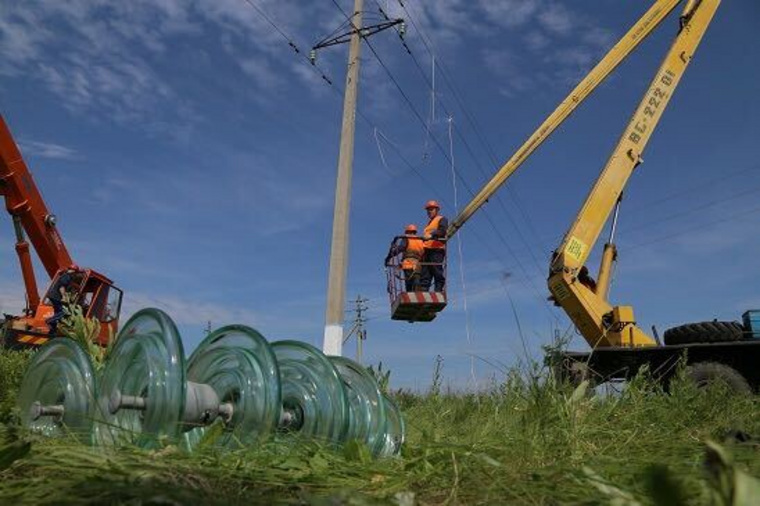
410, 247
434, 237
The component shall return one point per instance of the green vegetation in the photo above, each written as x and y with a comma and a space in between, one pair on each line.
13, 363
523, 441
75, 325
12, 367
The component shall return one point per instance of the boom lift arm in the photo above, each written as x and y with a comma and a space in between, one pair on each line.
601, 324
624, 47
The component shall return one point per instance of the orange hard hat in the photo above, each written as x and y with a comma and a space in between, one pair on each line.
410, 229
432, 203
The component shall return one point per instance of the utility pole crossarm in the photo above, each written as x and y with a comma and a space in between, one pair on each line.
624, 47
365, 31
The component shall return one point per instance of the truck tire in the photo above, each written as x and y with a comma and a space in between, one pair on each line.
705, 332
705, 373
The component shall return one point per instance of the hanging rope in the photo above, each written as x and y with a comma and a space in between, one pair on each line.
380, 150
461, 258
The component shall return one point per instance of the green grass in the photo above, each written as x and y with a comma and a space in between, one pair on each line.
12, 367
523, 442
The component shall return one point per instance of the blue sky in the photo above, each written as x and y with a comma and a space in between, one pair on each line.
191, 155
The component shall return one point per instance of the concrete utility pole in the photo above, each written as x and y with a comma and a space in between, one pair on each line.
336, 284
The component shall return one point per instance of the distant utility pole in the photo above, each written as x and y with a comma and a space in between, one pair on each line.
358, 326
336, 284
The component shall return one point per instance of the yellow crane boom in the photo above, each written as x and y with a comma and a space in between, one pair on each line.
585, 303
600, 323
638, 32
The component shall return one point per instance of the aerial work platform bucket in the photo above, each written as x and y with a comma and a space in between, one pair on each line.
408, 301
417, 306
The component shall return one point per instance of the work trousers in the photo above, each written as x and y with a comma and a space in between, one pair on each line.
58, 314
412, 279
432, 270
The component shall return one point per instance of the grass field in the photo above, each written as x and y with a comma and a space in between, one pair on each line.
525, 441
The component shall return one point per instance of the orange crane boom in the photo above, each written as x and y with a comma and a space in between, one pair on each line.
31, 217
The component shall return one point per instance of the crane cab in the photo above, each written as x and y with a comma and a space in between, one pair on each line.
408, 302
93, 292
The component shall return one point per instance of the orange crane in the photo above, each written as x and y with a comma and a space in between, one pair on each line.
91, 290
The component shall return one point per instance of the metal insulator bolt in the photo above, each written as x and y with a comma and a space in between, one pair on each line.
37, 411
118, 401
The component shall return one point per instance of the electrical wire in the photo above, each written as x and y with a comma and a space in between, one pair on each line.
461, 256
709, 183
316, 68
410, 104
695, 228
470, 151
470, 118
339, 92
691, 210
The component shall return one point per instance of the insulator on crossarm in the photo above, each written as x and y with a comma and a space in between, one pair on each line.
402, 29
313, 56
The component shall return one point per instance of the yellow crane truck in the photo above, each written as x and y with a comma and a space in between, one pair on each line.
712, 350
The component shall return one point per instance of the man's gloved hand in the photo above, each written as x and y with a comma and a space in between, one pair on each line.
427, 237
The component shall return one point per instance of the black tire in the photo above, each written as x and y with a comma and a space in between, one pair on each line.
705, 332
705, 373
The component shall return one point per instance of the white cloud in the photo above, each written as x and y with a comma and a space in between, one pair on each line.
91, 56
12, 300
508, 66
536, 41
49, 150
510, 13
558, 19
108, 60
546, 26
443, 22
187, 311
183, 311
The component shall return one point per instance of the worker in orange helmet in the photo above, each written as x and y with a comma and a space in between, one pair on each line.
433, 260
411, 249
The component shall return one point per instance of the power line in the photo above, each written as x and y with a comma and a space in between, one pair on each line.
469, 149
707, 183
469, 117
697, 227
406, 98
691, 210
339, 92
290, 42
410, 104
